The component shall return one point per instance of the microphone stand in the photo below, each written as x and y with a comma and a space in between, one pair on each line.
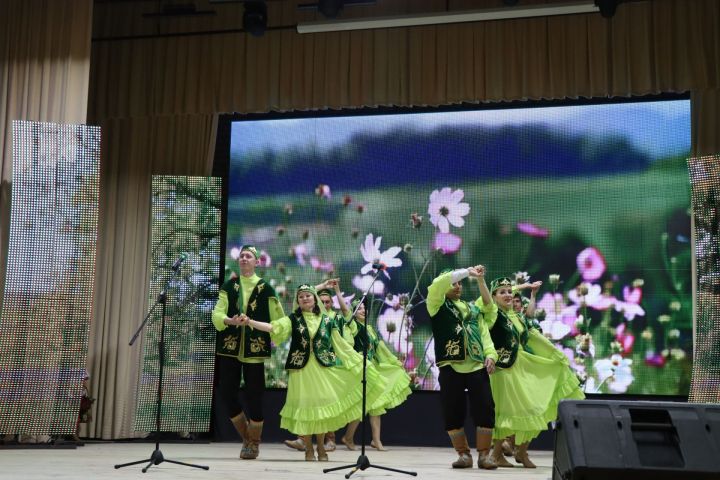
363, 462
156, 458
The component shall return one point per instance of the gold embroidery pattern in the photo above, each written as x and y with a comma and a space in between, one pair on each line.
304, 343
327, 357
475, 349
452, 348
257, 345
260, 287
297, 358
318, 344
300, 328
230, 343
458, 328
237, 287
504, 355
253, 305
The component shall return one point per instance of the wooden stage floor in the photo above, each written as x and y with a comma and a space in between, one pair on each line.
276, 462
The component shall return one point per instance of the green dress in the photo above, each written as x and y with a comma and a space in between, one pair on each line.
388, 366
324, 399
527, 394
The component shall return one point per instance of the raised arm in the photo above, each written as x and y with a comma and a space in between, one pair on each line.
338, 293
534, 287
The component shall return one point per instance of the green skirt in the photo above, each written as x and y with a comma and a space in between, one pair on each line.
324, 399
397, 386
527, 394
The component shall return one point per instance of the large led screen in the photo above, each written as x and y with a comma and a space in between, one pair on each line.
593, 200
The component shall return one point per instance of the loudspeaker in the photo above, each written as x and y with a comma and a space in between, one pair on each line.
633, 440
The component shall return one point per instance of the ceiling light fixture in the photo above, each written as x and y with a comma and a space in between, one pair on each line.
538, 10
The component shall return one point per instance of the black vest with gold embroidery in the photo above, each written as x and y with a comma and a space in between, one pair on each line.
507, 340
457, 337
301, 345
372, 340
255, 342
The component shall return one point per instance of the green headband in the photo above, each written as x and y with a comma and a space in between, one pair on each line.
325, 291
500, 282
251, 249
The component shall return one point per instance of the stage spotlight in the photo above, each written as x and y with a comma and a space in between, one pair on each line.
330, 8
607, 7
255, 18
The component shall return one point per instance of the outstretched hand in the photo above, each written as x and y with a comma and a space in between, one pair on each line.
490, 365
535, 286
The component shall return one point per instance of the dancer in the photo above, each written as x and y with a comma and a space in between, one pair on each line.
465, 354
325, 295
532, 376
387, 365
324, 390
241, 352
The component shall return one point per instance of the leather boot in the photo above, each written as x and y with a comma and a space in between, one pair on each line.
251, 448
508, 446
296, 444
322, 455
483, 439
460, 443
498, 455
309, 452
241, 425
521, 456
330, 445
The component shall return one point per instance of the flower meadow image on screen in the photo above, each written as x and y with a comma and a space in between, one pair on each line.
592, 200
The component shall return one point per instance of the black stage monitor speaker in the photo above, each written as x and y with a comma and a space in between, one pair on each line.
629, 440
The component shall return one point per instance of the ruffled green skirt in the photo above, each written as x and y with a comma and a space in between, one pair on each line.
527, 395
324, 399
397, 387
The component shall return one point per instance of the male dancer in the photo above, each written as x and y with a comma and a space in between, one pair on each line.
241, 350
466, 356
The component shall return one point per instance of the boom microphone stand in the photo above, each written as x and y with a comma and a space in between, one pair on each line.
363, 462
156, 458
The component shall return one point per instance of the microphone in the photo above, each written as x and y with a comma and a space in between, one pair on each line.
183, 256
379, 266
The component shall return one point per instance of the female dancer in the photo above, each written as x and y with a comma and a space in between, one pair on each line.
324, 391
532, 375
387, 365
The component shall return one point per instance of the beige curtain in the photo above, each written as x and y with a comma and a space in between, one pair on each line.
133, 150
44, 76
647, 47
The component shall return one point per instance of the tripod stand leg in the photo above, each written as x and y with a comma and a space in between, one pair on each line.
326, 470
406, 472
144, 470
188, 464
133, 463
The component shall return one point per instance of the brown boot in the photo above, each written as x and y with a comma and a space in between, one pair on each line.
309, 452
508, 446
322, 455
251, 448
241, 425
521, 456
330, 444
483, 439
498, 455
460, 443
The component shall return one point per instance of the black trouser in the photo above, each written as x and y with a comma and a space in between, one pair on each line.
230, 372
452, 396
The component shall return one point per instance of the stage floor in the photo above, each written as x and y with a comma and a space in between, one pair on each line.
276, 462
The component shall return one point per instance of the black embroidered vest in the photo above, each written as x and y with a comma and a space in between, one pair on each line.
256, 342
457, 337
301, 345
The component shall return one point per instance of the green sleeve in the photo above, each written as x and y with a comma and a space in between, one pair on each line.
489, 312
437, 291
281, 329
488, 347
219, 313
276, 309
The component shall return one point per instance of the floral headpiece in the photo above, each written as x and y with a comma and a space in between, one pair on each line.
251, 249
500, 282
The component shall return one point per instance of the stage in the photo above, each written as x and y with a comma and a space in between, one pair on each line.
276, 462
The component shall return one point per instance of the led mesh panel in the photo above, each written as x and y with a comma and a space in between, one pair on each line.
705, 180
50, 276
598, 194
186, 215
